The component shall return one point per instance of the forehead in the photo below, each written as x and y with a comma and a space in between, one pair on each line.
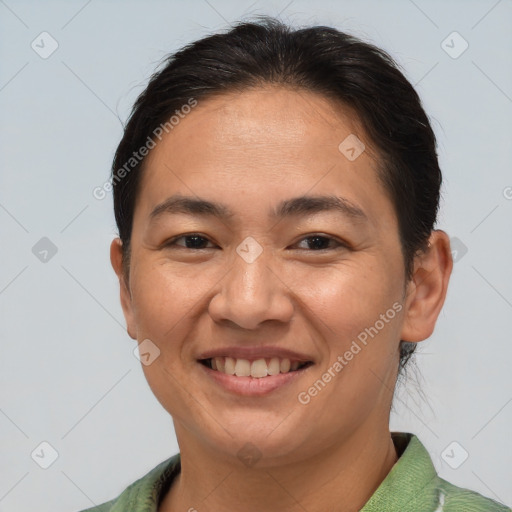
267, 119
265, 142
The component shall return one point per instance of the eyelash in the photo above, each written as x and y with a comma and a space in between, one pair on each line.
172, 242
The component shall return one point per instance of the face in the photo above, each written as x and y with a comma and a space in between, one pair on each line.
298, 283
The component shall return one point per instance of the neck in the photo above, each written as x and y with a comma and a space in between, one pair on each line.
342, 478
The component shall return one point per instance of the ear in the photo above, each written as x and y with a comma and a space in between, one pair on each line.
427, 289
116, 258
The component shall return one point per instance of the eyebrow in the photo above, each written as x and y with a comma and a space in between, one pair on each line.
297, 206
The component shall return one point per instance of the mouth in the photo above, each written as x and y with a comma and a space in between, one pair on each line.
256, 368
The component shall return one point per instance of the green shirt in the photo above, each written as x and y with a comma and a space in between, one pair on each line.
412, 485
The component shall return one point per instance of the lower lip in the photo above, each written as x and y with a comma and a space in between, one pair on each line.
251, 386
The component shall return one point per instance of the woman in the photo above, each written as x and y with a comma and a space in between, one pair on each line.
276, 192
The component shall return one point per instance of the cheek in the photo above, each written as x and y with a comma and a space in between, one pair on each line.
163, 299
344, 305
346, 300
163, 302
358, 316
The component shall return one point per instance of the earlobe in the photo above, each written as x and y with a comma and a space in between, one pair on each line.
427, 290
116, 259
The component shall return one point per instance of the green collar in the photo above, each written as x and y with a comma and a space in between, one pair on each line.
412, 482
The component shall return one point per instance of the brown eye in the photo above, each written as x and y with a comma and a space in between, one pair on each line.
320, 242
192, 241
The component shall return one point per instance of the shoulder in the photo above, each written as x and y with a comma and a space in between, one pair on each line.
413, 485
448, 497
455, 499
144, 493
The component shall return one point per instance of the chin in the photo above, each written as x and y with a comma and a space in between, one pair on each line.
269, 440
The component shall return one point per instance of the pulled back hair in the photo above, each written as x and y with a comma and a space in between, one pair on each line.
318, 59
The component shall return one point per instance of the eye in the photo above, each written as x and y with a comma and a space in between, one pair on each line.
196, 241
319, 242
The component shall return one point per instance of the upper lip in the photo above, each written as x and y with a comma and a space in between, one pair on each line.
262, 352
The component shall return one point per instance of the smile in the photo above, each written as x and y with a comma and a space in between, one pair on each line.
258, 368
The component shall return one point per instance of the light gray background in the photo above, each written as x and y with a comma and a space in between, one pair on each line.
68, 373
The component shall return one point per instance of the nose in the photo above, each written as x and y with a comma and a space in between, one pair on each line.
252, 293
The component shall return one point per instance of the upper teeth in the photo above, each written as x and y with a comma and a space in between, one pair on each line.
258, 368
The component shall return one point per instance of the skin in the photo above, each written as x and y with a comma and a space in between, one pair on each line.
250, 151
